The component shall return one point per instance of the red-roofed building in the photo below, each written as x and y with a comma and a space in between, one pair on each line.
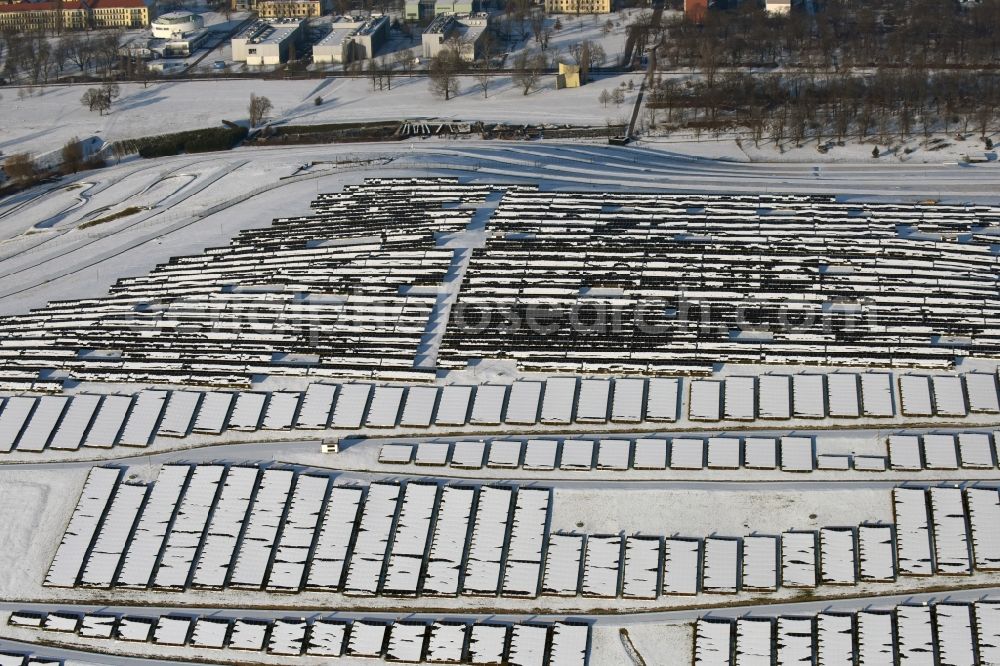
695, 10
75, 14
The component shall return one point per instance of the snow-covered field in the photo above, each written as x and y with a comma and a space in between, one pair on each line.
54, 115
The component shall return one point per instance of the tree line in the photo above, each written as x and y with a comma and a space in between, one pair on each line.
841, 33
799, 107
41, 59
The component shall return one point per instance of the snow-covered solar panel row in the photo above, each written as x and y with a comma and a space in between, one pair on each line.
364, 573
448, 543
528, 528
151, 529
62, 422
760, 563
282, 408
287, 532
642, 565
105, 421
385, 406
806, 396
106, 554
90, 510
143, 419
225, 527
913, 544
489, 532
790, 454
942, 451
291, 556
935, 634
411, 538
108, 422
326, 571
453, 641
186, 532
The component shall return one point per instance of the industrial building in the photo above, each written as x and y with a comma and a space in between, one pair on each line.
464, 31
778, 7
352, 39
578, 6
267, 42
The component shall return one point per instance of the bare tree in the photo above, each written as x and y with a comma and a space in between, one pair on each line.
96, 99
79, 51
483, 76
604, 98
443, 74
72, 156
537, 22
527, 70
258, 110
587, 55
20, 168
618, 96
105, 50
405, 59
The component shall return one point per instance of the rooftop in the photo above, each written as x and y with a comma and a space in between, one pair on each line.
270, 32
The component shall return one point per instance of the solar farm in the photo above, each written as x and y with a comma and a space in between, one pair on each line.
484, 414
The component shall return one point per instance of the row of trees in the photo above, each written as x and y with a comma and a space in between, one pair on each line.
901, 33
796, 107
39, 59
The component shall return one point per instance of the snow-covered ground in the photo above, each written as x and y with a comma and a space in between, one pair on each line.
54, 115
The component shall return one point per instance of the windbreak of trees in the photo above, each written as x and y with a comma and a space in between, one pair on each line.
917, 33
798, 107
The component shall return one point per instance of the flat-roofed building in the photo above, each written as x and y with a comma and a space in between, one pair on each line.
462, 31
352, 39
267, 42
778, 6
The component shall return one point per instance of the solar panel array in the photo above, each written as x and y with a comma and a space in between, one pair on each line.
67, 423
216, 526
949, 634
452, 641
334, 293
213, 527
633, 282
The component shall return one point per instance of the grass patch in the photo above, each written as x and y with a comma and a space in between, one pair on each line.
125, 212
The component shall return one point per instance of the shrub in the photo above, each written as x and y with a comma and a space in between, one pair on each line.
195, 141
